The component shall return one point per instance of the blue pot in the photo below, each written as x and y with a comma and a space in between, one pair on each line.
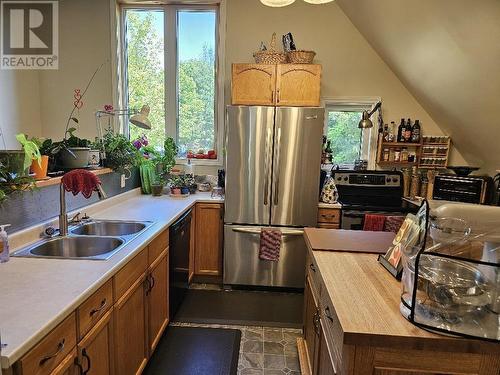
184, 190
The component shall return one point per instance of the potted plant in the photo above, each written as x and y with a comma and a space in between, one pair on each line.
175, 183
31, 151
11, 182
95, 153
40, 168
76, 151
120, 153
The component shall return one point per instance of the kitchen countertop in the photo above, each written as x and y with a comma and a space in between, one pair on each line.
366, 298
329, 205
37, 294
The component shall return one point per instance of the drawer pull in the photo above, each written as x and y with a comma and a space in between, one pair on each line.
100, 308
60, 348
86, 356
327, 314
328, 216
311, 266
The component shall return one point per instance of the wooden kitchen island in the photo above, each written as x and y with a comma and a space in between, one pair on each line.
352, 323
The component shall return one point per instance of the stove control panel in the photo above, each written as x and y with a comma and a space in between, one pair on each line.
367, 179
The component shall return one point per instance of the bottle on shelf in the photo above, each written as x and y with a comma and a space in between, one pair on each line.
415, 134
385, 135
392, 131
323, 151
408, 131
401, 131
328, 152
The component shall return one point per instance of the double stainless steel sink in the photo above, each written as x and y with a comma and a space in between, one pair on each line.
94, 240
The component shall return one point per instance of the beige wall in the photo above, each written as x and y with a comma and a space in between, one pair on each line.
350, 65
448, 57
19, 106
84, 44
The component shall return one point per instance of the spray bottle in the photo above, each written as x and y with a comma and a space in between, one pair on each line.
4, 244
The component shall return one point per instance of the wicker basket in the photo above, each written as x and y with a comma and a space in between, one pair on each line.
300, 57
270, 56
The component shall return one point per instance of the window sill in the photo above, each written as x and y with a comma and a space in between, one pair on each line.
207, 162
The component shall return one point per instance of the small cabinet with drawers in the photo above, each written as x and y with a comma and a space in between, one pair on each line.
329, 218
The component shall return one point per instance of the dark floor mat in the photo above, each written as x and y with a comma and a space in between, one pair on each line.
200, 351
270, 309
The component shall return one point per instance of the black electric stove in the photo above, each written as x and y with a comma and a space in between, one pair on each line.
365, 192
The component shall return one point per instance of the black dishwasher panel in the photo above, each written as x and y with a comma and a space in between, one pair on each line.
180, 238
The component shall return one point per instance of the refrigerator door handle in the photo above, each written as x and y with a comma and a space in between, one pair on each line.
277, 168
292, 232
266, 166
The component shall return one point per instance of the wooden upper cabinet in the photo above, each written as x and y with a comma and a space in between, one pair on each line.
208, 243
253, 84
298, 85
281, 85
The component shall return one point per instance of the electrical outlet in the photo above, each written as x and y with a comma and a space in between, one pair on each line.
122, 181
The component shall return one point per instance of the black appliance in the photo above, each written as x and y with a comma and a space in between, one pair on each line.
180, 239
496, 190
469, 189
367, 192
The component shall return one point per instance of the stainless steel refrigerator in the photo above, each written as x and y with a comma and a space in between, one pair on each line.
273, 157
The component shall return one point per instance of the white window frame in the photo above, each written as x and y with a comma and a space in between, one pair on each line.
370, 136
171, 79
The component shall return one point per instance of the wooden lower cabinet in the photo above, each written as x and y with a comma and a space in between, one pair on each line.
95, 351
157, 300
67, 366
311, 327
325, 364
208, 242
130, 330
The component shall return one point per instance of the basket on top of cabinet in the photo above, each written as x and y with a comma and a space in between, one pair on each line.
276, 84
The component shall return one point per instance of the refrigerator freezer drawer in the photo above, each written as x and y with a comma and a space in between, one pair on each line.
242, 265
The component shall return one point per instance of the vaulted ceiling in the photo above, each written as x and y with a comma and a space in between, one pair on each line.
447, 53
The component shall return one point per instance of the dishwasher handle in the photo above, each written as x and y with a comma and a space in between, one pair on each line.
292, 232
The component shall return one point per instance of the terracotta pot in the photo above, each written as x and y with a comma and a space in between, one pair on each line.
40, 170
175, 190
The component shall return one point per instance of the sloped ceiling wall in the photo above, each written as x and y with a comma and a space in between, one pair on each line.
447, 53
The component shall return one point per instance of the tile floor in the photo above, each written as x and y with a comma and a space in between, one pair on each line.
264, 350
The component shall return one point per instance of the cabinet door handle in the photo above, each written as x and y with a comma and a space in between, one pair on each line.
311, 266
60, 348
316, 322
100, 308
86, 356
153, 282
328, 314
77, 364
272, 97
278, 96
147, 285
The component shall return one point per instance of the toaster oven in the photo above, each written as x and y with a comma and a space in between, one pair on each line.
470, 189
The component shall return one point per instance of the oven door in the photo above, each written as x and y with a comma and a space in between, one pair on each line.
355, 219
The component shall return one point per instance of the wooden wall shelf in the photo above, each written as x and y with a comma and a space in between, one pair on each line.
57, 180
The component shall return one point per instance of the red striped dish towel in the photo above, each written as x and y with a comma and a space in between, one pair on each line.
270, 244
374, 223
393, 223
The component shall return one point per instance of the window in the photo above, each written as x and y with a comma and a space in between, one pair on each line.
180, 84
347, 141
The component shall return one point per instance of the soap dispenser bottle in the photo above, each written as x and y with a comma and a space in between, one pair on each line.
4, 244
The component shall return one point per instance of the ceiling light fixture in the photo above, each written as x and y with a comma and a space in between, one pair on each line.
318, 1
277, 3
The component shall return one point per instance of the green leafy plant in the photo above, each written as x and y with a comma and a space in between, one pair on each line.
74, 141
11, 183
120, 153
31, 150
